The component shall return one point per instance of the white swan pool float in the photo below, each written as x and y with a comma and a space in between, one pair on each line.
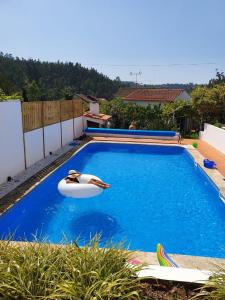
83, 189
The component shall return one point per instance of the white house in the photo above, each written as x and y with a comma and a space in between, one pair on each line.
152, 97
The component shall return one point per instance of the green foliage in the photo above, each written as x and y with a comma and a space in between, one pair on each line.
4, 97
44, 80
207, 105
156, 118
33, 92
217, 124
195, 145
220, 79
172, 112
43, 271
214, 289
209, 102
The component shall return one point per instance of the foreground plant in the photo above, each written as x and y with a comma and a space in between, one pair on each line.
214, 289
42, 271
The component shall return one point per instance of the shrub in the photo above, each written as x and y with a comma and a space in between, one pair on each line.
217, 124
43, 271
215, 288
195, 145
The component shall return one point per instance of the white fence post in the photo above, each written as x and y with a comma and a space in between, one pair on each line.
12, 160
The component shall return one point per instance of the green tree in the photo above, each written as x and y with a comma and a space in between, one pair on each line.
33, 91
68, 92
4, 97
124, 113
220, 79
46, 80
209, 102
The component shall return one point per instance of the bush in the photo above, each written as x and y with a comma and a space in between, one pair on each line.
43, 271
192, 135
4, 97
217, 124
195, 145
215, 288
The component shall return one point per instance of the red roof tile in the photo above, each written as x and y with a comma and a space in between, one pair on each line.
163, 95
102, 117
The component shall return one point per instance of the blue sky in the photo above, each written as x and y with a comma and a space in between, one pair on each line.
120, 36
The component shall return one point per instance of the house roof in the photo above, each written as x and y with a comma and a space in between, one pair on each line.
87, 98
101, 117
124, 91
162, 95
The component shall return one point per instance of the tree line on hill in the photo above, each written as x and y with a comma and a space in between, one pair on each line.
31, 79
184, 86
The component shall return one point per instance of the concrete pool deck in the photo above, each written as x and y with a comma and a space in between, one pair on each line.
14, 191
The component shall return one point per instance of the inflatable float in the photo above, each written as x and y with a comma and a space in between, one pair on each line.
83, 189
163, 258
175, 274
210, 164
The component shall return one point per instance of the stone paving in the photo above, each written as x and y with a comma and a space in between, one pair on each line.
209, 152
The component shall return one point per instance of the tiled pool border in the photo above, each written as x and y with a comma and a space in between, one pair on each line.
12, 192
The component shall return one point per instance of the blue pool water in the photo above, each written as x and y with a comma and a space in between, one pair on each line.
157, 195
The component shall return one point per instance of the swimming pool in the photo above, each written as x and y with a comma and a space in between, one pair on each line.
157, 194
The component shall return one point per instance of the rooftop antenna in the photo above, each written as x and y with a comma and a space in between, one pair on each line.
136, 74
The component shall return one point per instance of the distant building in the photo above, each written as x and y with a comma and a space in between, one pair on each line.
148, 96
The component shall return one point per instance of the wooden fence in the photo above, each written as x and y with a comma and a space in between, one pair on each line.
38, 114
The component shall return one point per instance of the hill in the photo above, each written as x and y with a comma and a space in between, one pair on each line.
184, 86
37, 80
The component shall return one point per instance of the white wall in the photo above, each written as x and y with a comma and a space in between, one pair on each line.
11, 140
67, 132
52, 137
214, 136
14, 145
183, 96
78, 127
94, 108
34, 146
85, 119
